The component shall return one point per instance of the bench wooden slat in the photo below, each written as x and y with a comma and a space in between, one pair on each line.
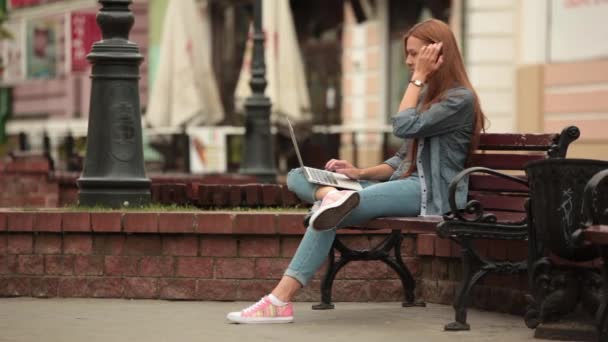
494, 183
597, 234
499, 201
522, 142
499, 161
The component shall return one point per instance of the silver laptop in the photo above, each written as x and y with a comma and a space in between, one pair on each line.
322, 177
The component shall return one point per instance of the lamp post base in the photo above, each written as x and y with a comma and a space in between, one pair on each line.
114, 193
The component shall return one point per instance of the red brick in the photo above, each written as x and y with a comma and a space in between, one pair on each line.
440, 269
234, 268
48, 244
291, 224
214, 223
120, 265
351, 291
73, 287
310, 293
254, 223
156, 266
259, 247
4, 264
443, 247
15, 287
413, 264
142, 288
20, 243
425, 244
447, 292
106, 287
142, 245
252, 194
385, 290
77, 244
30, 264
20, 222
140, 223
250, 290
114, 244
59, 264
106, 222
47, 222
176, 222
88, 265
365, 270
270, 268
3, 221
210, 289
45, 287
289, 246
194, 267
3, 244
180, 245
177, 288
76, 222
271, 195
218, 246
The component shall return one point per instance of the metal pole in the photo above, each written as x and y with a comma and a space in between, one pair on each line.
258, 151
114, 173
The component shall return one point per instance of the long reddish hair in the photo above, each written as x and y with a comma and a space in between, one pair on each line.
451, 72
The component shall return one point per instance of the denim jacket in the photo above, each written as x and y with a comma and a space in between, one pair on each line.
444, 133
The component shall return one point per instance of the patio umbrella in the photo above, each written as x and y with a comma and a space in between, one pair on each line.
185, 89
287, 87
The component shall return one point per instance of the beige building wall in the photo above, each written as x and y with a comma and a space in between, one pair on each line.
571, 91
362, 87
489, 51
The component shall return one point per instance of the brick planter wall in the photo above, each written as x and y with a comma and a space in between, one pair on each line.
212, 256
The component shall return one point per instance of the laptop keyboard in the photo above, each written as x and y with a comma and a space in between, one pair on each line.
322, 176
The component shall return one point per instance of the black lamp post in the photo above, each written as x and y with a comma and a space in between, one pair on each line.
114, 173
258, 152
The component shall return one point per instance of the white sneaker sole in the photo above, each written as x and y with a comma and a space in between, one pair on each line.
330, 216
236, 318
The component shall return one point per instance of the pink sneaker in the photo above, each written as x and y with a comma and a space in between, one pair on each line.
333, 209
263, 312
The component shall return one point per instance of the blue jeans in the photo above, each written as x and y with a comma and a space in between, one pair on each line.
399, 197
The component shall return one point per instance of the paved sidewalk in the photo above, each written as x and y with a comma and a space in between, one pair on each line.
91, 320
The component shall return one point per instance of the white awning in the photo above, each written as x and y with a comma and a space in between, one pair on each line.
185, 89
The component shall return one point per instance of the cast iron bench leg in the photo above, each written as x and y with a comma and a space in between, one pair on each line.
470, 276
380, 252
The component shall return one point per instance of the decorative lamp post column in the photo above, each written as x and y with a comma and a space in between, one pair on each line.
258, 153
114, 173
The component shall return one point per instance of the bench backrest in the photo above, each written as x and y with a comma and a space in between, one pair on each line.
509, 153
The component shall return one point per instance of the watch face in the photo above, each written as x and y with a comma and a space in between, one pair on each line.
417, 83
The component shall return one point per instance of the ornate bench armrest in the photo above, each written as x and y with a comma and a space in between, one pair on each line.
474, 207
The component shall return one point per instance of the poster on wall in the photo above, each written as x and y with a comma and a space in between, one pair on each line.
42, 48
12, 54
84, 32
578, 30
207, 150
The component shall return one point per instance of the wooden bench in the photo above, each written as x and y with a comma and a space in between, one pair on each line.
496, 210
595, 211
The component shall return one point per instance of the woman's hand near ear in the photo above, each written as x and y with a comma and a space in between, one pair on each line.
429, 60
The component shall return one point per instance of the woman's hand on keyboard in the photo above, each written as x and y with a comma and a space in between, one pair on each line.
337, 164
352, 172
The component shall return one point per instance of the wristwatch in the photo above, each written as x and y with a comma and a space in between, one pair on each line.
417, 83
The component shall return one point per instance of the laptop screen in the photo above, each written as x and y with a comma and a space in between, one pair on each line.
295, 143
